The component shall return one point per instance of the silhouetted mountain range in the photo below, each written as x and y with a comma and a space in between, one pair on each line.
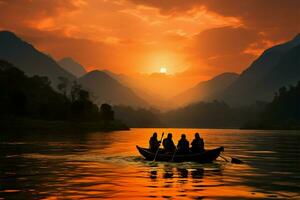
72, 66
276, 67
108, 90
206, 90
33, 62
28, 59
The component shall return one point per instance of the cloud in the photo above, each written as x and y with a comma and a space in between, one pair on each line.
279, 19
223, 41
170, 7
209, 36
221, 49
23, 11
262, 23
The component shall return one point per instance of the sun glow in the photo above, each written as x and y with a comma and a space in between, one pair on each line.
163, 70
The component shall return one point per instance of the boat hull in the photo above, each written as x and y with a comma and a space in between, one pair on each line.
205, 157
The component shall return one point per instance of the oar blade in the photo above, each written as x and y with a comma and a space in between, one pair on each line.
236, 161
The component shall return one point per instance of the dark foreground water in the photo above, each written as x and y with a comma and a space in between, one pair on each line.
107, 166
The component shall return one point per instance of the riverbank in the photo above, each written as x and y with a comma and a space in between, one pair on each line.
44, 125
265, 125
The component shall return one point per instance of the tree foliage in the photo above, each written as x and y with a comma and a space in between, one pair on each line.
138, 117
282, 113
216, 114
33, 97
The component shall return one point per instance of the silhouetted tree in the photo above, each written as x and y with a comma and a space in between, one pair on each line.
216, 114
75, 89
282, 113
63, 85
83, 95
82, 108
138, 117
106, 112
33, 97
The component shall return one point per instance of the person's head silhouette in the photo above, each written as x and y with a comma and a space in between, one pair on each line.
197, 135
154, 135
183, 136
169, 135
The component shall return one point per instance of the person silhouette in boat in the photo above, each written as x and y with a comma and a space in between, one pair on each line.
197, 144
168, 144
183, 145
154, 143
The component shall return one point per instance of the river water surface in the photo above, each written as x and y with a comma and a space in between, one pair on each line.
108, 166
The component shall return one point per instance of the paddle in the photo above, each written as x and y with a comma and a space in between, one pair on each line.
162, 135
233, 160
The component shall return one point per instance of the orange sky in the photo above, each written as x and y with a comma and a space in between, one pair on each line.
192, 38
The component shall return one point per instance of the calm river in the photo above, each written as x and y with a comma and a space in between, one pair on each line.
108, 166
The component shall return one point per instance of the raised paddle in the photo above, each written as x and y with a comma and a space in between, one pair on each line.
162, 135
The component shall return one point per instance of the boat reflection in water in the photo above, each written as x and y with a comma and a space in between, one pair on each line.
170, 172
196, 181
175, 182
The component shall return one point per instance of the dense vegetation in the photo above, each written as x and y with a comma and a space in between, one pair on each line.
282, 113
23, 97
214, 114
199, 115
138, 117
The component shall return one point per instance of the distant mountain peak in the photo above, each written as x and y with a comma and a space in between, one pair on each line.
97, 72
72, 66
226, 75
296, 38
207, 90
8, 37
277, 66
99, 75
67, 59
107, 71
108, 89
8, 34
29, 59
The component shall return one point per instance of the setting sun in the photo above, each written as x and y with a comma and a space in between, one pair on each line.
163, 70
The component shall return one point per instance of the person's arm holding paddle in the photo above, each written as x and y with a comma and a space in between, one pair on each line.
162, 135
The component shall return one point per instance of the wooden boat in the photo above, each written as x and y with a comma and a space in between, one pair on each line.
205, 157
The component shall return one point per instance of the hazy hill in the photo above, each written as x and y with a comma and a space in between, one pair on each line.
108, 90
72, 66
28, 59
122, 78
276, 67
141, 90
206, 90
